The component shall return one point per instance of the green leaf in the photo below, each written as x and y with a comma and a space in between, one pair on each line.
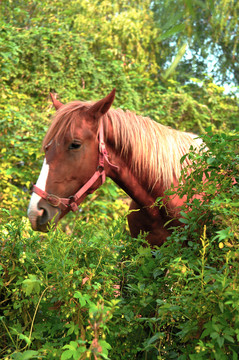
105, 346
229, 338
234, 355
220, 341
175, 62
224, 234
25, 338
72, 346
221, 306
30, 354
67, 354
30, 285
78, 295
184, 221
214, 335
211, 160
27, 355
172, 31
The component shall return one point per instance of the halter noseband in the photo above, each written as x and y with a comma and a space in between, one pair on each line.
72, 202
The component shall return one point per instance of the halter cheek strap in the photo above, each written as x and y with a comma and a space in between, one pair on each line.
72, 202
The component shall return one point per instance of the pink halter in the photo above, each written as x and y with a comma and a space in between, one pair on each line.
72, 202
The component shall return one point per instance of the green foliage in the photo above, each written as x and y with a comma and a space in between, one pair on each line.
210, 30
87, 290
191, 107
93, 292
86, 71
56, 298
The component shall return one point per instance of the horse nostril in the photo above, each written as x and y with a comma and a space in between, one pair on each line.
44, 214
43, 219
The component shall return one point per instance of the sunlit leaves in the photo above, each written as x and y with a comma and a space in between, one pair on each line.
210, 28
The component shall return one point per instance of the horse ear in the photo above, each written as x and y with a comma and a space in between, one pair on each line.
57, 104
102, 106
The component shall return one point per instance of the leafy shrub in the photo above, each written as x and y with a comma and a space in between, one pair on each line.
93, 292
183, 303
57, 293
192, 107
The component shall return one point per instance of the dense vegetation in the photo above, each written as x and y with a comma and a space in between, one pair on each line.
88, 290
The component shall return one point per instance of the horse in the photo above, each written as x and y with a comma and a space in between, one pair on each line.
89, 141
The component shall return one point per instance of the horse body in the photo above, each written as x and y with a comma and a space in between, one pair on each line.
140, 155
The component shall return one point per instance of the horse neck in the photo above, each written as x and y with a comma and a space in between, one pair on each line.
136, 186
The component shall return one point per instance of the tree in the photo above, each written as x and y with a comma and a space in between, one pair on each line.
211, 31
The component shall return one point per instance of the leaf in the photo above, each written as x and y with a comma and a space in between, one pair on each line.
71, 328
24, 337
223, 234
32, 284
28, 354
175, 62
72, 346
105, 346
214, 335
234, 355
67, 354
172, 31
78, 295
220, 341
153, 339
183, 158
229, 338
184, 221
221, 306
12, 170
211, 160
190, 7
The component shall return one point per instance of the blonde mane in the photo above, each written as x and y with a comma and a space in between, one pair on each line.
146, 146
155, 149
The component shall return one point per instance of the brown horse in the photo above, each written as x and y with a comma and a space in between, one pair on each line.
88, 141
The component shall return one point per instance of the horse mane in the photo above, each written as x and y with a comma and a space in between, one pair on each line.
143, 143
153, 149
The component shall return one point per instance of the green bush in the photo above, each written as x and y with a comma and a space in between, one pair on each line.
92, 292
183, 303
57, 293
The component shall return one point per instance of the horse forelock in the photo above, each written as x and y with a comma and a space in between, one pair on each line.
64, 121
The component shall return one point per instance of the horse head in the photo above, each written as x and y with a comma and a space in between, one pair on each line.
74, 163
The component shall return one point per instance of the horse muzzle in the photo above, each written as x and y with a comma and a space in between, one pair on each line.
43, 215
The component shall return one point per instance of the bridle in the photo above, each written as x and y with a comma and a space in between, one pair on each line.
72, 202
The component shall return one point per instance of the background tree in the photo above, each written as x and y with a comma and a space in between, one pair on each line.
211, 31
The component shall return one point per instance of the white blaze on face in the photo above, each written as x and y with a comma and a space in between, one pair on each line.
33, 210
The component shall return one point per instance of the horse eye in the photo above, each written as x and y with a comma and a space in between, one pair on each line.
74, 146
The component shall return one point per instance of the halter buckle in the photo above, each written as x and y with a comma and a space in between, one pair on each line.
100, 168
102, 148
53, 200
72, 204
